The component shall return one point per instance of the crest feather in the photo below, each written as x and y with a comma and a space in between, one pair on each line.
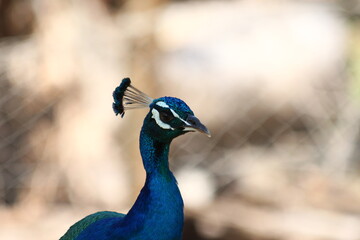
126, 96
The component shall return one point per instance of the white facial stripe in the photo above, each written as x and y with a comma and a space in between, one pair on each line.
177, 116
156, 116
162, 104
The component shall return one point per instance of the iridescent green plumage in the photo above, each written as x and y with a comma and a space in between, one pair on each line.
81, 225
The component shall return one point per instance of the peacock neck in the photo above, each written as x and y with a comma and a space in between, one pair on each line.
154, 155
159, 207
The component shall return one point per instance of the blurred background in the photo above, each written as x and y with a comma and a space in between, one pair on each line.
277, 82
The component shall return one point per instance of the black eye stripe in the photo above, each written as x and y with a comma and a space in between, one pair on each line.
165, 117
163, 110
160, 109
165, 114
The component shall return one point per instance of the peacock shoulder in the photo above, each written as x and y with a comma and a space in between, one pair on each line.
81, 225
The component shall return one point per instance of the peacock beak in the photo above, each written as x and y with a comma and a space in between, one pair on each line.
194, 124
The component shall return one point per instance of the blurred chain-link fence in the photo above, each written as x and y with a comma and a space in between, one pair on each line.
277, 84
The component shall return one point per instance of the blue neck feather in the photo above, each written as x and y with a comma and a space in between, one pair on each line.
158, 210
154, 155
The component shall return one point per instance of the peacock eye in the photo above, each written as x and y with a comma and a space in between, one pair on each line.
166, 117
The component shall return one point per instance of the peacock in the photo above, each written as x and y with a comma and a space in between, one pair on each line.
157, 213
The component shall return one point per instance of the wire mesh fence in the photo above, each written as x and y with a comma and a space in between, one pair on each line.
277, 146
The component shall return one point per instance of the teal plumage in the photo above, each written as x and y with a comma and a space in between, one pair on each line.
158, 211
81, 225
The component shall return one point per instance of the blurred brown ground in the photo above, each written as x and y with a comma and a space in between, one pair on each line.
277, 83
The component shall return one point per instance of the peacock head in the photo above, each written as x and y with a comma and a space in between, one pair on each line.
168, 117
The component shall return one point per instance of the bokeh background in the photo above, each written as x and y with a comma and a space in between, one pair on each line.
277, 82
